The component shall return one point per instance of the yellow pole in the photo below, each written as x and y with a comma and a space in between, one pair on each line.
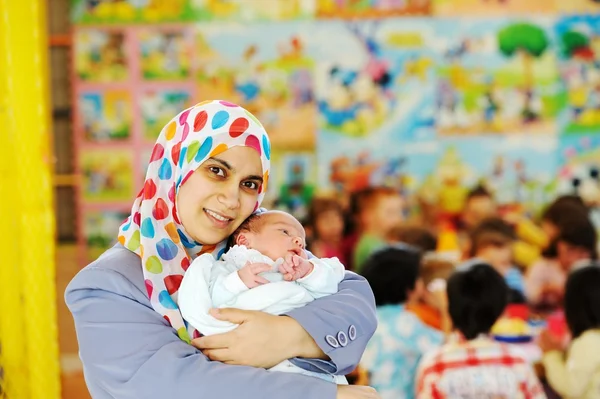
28, 322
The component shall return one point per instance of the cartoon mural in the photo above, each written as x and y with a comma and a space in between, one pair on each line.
105, 115
371, 8
579, 49
100, 55
268, 70
497, 76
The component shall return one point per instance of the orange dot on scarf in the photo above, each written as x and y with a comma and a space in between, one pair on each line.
121, 240
206, 249
202, 103
171, 129
171, 230
219, 149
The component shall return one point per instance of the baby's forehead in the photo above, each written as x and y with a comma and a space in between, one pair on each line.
281, 218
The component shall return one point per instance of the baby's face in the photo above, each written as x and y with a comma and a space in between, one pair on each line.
280, 234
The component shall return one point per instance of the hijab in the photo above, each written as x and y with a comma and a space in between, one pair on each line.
153, 230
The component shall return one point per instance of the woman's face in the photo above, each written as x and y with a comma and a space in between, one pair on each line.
220, 194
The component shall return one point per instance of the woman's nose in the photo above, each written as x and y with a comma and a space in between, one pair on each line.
230, 197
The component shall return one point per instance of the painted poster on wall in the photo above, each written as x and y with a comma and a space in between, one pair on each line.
269, 70
578, 6
375, 91
158, 105
107, 175
165, 55
579, 50
493, 7
105, 115
158, 11
371, 8
497, 76
101, 55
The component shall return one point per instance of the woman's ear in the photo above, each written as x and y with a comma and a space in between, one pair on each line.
242, 239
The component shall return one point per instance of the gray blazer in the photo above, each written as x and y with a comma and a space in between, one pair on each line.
130, 351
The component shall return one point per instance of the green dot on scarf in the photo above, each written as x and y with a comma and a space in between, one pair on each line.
134, 241
192, 150
183, 335
153, 265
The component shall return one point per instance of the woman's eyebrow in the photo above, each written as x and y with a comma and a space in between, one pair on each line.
223, 163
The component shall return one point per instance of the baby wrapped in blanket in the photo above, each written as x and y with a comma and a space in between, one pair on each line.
267, 270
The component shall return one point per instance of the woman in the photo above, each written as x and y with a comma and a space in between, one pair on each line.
208, 172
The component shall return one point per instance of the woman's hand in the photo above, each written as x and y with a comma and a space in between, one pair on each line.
356, 392
260, 340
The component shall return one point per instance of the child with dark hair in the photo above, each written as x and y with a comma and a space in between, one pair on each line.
473, 365
492, 241
545, 279
419, 237
576, 244
401, 338
577, 376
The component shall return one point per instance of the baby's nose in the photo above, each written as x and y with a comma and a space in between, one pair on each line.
298, 241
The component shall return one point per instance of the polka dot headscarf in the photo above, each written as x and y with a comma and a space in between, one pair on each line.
153, 231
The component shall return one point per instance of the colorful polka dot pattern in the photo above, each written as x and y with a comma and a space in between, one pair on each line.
153, 231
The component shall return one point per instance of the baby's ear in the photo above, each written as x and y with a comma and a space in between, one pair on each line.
242, 239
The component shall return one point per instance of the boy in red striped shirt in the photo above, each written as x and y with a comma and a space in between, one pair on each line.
472, 365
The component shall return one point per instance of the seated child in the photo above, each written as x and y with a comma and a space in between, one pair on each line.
380, 209
577, 375
492, 241
392, 355
472, 365
435, 271
267, 269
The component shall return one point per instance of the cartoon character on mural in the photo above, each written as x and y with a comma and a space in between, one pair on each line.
268, 72
359, 100
100, 56
487, 84
105, 116
580, 70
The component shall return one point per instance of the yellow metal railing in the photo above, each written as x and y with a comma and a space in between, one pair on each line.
28, 323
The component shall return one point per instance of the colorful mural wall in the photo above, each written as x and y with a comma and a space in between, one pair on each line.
429, 96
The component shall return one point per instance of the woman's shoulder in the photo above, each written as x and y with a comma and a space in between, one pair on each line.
117, 270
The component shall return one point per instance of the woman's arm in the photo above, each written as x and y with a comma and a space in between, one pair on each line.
129, 351
328, 335
340, 326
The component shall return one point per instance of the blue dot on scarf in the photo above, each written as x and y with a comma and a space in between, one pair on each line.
165, 172
166, 249
166, 301
147, 228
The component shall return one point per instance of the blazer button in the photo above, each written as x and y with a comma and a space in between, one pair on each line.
342, 338
332, 341
352, 332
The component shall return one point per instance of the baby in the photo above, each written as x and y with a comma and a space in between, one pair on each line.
266, 269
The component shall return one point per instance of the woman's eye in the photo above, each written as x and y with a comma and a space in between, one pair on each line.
217, 171
251, 185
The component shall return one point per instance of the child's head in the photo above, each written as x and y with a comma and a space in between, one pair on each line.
582, 299
559, 212
479, 205
272, 233
326, 218
393, 273
380, 210
491, 241
418, 237
433, 269
576, 241
477, 296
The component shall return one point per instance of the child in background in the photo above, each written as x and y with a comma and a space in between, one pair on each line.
326, 223
473, 365
392, 355
577, 376
267, 269
491, 241
380, 209
545, 279
418, 237
435, 271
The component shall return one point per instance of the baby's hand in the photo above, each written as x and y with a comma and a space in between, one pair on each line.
249, 274
295, 267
